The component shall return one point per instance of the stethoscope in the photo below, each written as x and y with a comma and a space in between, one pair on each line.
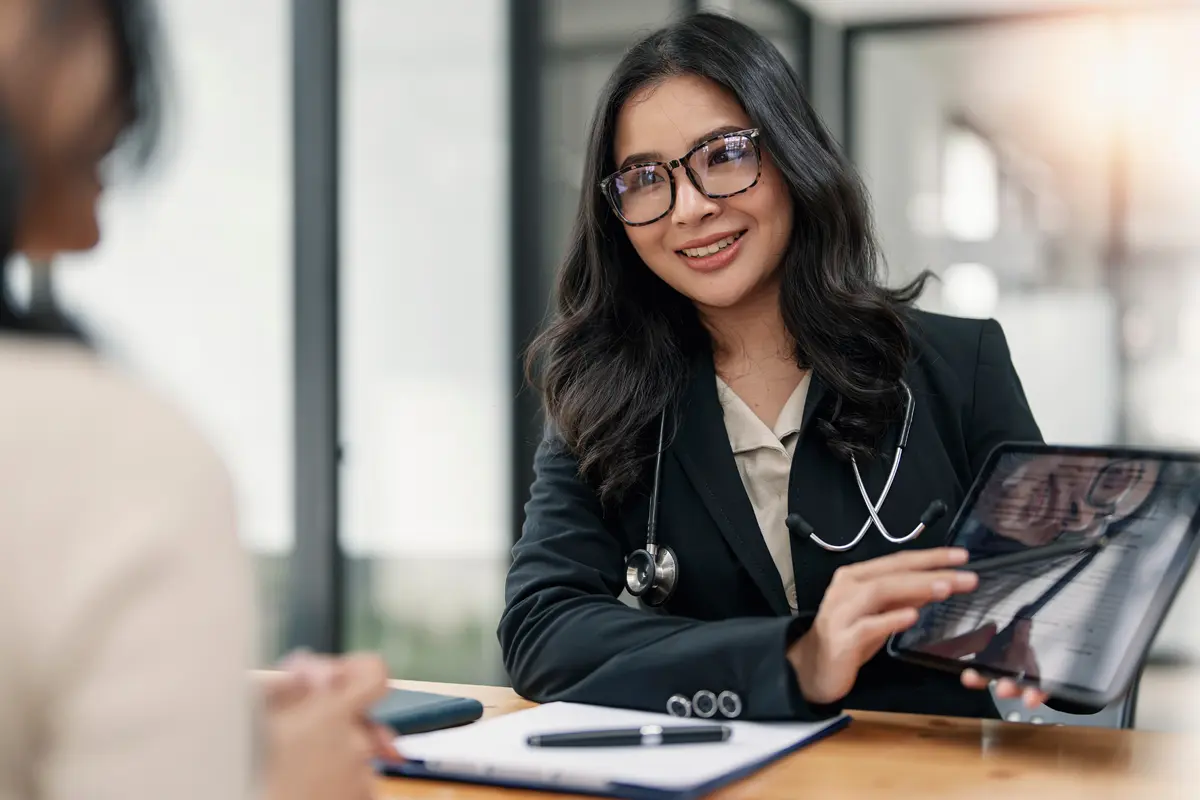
652, 572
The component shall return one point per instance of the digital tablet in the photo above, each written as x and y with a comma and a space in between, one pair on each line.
1080, 553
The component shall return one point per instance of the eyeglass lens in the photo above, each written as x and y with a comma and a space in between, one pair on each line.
722, 167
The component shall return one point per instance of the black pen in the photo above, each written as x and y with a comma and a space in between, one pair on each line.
647, 735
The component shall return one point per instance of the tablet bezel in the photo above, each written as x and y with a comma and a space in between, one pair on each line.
1161, 604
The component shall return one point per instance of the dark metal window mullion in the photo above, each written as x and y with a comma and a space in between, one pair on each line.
315, 598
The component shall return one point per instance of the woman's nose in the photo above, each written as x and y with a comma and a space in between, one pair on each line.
691, 205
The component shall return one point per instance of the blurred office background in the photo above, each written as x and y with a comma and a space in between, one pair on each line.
342, 307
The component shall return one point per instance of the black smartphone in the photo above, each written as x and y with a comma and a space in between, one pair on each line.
407, 712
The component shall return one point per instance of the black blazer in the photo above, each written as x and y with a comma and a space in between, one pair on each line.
565, 635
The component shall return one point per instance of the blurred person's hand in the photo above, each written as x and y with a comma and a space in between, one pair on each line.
320, 745
304, 671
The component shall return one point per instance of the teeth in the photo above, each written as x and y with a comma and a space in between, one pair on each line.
715, 247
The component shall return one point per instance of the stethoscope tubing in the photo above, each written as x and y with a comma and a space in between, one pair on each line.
874, 508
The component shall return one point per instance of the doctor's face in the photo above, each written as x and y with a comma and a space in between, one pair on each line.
719, 251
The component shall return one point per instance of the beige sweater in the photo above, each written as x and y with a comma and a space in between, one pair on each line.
126, 607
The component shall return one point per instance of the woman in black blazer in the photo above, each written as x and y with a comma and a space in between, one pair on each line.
723, 276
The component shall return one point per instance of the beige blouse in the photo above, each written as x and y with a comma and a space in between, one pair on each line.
764, 459
126, 605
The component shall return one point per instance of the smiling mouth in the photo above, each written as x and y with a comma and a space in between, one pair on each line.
708, 250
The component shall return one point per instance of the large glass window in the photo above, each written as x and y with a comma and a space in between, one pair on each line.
584, 43
426, 400
1046, 171
191, 286
988, 152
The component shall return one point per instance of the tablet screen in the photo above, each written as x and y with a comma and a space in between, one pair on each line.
1078, 620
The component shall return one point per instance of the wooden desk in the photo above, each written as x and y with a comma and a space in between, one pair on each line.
899, 755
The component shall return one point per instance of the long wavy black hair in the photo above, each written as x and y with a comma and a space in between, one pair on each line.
620, 346
140, 91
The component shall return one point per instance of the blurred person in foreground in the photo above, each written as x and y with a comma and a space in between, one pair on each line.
127, 621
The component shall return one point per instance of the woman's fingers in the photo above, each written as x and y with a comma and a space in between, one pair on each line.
364, 666
1031, 698
869, 633
385, 743
1006, 689
318, 671
906, 590
282, 689
363, 681
973, 680
908, 561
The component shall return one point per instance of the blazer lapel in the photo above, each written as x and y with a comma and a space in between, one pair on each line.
702, 448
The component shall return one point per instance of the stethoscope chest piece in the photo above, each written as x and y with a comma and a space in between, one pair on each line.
652, 572
651, 576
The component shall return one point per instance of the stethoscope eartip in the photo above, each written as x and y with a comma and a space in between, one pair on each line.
799, 525
932, 514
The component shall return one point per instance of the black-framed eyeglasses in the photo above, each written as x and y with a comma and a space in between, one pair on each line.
723, 166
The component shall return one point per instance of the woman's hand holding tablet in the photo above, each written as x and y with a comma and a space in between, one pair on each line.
864, 605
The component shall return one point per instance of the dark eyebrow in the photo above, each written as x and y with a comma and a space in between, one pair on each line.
637, 158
